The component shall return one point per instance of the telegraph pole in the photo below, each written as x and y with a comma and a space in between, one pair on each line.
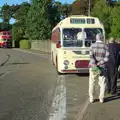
89, 7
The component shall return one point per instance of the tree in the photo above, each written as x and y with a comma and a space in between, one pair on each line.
63, 10
103, 15
5, 26
115, 17
13, 10
5, 16
6, 13
54, 13
38, 21
19, 27
76, 8
81, 7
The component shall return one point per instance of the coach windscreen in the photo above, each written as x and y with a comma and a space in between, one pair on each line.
73, 37
90, 35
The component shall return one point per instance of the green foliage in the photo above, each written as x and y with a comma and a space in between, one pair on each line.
17, 33
110, 17
34, 20
5, 26
5, 13
25, 44
38, 20
18, 29
66, 8
102, 11
55, 13
61, 10
115, 17
13, 10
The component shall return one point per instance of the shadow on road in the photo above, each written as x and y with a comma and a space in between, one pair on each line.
17, 63
78, 74
83, 74
114, 97
7, 64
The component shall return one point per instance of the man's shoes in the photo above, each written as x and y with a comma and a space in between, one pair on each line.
101, 100
91, 100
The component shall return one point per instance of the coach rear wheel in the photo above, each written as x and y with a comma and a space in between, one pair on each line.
52, 59
57, 67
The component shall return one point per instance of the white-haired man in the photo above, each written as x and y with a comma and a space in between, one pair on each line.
98, 57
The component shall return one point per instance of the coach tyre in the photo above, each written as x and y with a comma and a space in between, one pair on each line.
57, 66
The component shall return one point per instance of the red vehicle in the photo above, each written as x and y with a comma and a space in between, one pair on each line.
5, 39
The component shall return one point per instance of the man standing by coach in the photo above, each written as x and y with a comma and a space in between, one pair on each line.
113, 64
98, 57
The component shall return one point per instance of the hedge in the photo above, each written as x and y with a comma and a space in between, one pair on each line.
25, 44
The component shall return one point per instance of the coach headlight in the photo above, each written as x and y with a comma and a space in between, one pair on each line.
66, 67
66, 62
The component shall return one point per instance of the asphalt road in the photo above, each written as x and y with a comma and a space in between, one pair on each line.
30, 89
27, 83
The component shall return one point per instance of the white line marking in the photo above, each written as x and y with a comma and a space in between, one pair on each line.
58, 109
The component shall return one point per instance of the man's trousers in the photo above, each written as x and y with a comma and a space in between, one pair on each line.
93, 78
112, 79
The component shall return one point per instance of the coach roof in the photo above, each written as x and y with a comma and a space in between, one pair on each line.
66, 22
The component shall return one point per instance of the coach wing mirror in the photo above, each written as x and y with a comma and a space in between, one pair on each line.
58, 45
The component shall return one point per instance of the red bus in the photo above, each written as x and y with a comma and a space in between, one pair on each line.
5, 39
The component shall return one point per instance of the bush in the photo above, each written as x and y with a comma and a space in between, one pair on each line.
25, 44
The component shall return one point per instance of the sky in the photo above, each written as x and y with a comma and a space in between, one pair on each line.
66, 1
10, 2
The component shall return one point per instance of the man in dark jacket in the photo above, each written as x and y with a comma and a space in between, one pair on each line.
113, 64
119, 60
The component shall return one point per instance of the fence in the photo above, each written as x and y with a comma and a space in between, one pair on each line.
41, 45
